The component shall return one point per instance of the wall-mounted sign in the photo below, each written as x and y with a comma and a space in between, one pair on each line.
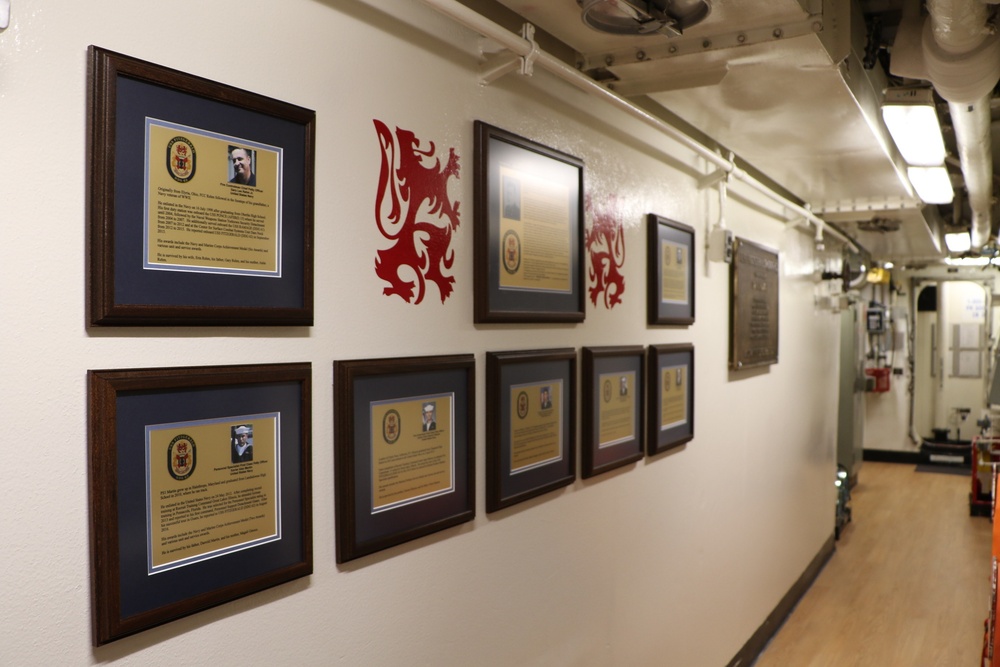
753, 306
528, 230
201, 200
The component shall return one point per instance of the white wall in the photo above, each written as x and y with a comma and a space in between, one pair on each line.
887, 415
671, 561
964, 303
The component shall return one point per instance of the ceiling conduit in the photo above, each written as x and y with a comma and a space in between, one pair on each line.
526, 48
962, 56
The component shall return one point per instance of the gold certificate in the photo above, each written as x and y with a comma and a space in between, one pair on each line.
535, 233
616, 410
413, 450
536, 425
212, 204
674, 270
212, 488
673, 397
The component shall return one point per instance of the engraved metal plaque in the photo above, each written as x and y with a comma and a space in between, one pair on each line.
753, 306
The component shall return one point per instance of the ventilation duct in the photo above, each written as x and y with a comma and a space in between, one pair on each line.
880, 225
644, 17
959, 54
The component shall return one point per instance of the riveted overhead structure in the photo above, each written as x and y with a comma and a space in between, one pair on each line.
794, 89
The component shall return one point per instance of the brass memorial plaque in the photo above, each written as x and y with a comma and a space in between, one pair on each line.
753, 306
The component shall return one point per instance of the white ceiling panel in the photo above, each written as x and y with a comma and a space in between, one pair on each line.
780, 83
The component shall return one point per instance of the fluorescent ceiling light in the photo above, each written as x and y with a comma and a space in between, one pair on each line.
958, 242
970, 261
917, 133
933, 185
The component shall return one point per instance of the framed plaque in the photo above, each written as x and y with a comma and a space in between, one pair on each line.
613, 402
671, 397
753, 306
528, 238
404, 449
199, 487
670, 261
200, 207
530, 424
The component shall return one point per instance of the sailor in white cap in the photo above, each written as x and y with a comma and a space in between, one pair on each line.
242, 444
430, 421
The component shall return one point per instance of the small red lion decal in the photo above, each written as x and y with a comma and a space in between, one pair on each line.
605, 242
422, 248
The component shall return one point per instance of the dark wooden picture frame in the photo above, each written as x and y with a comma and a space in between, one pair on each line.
129, 100
667, 431
669, 243
516, 181
367, 388
545, 382
613, 407
131, 591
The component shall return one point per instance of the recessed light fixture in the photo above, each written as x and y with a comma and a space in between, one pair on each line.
933, 184
958, 242
913, 123
970, 261
644, 17
911, 118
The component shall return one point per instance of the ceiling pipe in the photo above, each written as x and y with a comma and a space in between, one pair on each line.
962, 56
520, 46
972, 133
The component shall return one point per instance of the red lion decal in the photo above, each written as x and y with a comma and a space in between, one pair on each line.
422, 249
605, 242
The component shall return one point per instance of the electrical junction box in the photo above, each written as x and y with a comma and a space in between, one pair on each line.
720, 245
875, 319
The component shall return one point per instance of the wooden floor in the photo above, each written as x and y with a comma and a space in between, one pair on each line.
908, 585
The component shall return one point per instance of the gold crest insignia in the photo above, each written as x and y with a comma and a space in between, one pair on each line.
391, 427
181, 159
181, 457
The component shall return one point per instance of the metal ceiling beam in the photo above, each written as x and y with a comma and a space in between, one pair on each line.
682, 46
525, 48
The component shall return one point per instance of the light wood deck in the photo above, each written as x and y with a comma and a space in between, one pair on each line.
908, 585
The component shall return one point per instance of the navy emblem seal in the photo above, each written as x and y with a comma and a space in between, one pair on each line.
181, 160
522, 405
391, 427
511, 252
181, 457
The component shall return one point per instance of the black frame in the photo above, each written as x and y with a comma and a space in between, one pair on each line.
124, 91
359, 383
495, 147
599, 361
659, 357
122, 403
504, 370
659, 230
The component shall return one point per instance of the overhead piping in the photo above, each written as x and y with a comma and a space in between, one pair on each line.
962, 56
522, 47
